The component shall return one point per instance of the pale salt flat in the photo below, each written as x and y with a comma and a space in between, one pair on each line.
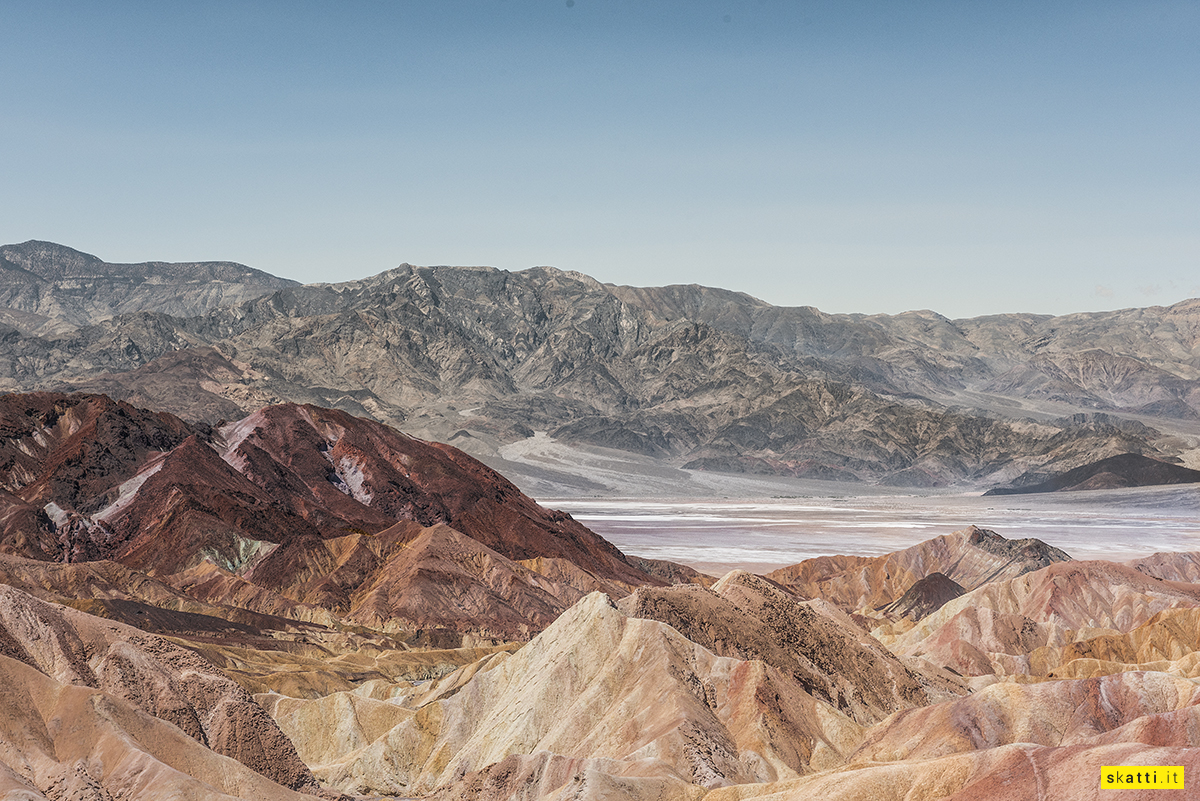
715, 521
764, 534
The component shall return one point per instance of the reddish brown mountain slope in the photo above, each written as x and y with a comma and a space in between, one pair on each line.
71, 451
316, 509
329, 466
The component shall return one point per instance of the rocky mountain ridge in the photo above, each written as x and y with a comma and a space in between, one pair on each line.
695, 377
52, 286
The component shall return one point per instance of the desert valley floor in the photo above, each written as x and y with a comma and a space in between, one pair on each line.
764, 534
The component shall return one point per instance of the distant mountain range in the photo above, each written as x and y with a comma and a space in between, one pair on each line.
693, 376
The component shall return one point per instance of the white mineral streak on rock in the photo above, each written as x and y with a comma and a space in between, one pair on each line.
56, 513
128, 491
350, 479
234, 434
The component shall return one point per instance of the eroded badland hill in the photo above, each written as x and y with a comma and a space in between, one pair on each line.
302, 601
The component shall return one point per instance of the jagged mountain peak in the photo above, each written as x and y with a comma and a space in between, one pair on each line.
68, 286
50, 260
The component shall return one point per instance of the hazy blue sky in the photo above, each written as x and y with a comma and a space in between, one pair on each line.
969, 157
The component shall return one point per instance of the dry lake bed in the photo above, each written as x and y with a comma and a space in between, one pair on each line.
762, 534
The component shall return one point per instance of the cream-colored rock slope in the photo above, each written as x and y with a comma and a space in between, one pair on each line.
1055, 713
62, 741
1169, 642
1000, 627
1018, 772
161, 678
971, 557
1008, 742
628, 698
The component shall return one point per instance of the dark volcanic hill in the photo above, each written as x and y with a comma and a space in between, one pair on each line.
925, 597
697, 377
1123, 470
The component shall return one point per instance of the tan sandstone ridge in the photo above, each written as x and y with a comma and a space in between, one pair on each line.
971, 557
654, 708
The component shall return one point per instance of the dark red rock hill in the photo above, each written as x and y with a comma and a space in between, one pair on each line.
280, 499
